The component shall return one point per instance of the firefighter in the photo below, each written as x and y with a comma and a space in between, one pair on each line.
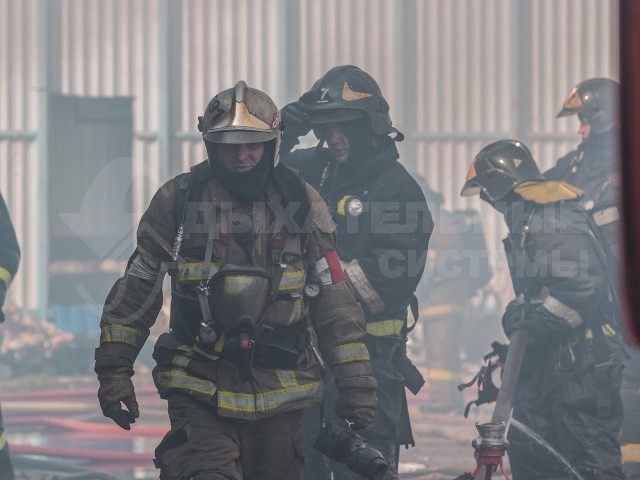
383, 228
569, 387
250, 248
592, 168
9, 260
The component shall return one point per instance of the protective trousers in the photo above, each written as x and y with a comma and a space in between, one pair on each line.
566, 416
201, 445
384, 433
6, 467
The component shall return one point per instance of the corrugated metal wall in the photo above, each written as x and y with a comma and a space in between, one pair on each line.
457, 74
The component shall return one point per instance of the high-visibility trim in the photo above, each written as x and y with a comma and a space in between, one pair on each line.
192, 272
267, 401
607, 329
385, 327
297, 311
3, 440
437, 374
114, 333
287, 378
181, 360
368, 295
5, 276
179, 379
217, 348
144, 268
606, 216
341, 204
440, 309
292, 281
630, 452
146, 254
349, 352
559, 309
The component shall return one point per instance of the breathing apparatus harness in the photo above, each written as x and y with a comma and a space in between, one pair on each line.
229, 327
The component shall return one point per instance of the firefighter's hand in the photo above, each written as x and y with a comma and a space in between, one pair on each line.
295, 117
115, 387
513, 317
357, 405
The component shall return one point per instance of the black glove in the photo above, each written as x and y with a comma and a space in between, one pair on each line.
115, 387
513, 317
295, 117
3, 294
356, 400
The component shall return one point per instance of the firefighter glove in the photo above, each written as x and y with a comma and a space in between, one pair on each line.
295, 117
357, 404
513, 317
116, 387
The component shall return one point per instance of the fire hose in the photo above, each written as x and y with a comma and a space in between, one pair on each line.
491, 445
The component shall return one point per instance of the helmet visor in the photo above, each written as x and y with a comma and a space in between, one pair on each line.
320, 116
234, 135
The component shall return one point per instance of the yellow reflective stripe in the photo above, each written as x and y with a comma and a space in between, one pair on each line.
341, 204
190, 272
607, 329
267, 401
439, 375
217, 348
350, 352
440, 309
3, 440
145, 253
630, 452
5, 276
180, 379
385, 327
297, 311
113, 333
287, 378
181, 360
292, 281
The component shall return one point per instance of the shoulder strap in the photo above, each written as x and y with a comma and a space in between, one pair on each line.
294, 190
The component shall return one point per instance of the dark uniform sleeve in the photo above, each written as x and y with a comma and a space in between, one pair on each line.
561, 169
9, 250
571, 284
135, 300
388, 273
336, 315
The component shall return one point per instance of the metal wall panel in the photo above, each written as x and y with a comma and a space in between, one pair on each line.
19, 87
109, 48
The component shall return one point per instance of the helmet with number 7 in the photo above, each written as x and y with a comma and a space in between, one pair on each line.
347, 93
242, 115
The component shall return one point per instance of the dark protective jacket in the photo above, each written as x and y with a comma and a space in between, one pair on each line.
9, 250
383, 229
384, 248
214, 377
591, 167
563, 395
